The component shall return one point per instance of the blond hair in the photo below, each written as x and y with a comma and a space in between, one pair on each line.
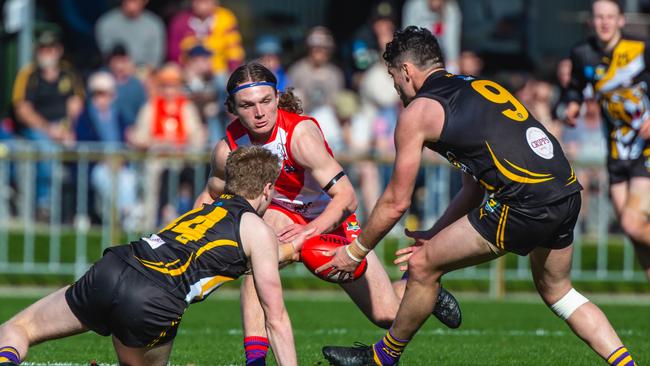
249, 169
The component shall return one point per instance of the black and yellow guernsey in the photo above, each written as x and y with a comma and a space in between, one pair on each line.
491, 136
619, 79
196, 253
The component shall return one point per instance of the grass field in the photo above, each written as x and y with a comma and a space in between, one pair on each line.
513, 332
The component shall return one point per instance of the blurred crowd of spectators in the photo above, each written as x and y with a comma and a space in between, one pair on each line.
163, 86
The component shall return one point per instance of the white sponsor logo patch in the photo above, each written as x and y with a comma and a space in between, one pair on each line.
539, 142
154, 241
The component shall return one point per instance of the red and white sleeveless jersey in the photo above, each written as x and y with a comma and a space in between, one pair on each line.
296, 189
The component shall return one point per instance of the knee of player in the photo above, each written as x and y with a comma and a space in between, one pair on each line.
568, 304
383, 319
551, 292
422, 270
632, 223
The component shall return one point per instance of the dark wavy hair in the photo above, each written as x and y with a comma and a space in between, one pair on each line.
255, 72
416, 45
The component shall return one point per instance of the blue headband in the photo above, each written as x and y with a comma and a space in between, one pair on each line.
250, 85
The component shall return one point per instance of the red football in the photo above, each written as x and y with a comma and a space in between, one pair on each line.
313, 256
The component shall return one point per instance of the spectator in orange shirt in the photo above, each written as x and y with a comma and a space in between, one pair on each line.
168, 118
168, 121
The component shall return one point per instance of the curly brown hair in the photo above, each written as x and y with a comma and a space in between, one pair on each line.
256, 72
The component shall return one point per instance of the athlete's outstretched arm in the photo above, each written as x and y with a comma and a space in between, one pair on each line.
261, 245
421, 121
308, 149
396, 199
215, 185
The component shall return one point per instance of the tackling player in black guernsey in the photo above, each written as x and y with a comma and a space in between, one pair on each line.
533, 198
139, 292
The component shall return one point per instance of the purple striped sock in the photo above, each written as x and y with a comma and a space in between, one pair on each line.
389, 349
620, 357
256, 349
9, 354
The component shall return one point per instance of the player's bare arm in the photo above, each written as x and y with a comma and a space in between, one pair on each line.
214, 186
308, 149
260, 244
421, 121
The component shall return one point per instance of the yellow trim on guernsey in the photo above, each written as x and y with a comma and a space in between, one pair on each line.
515, 177
172, 272
214, 244
164, 267
572, 178
501, 227
624, 53
526, 171
216, 280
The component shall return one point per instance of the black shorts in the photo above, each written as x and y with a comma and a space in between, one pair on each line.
520, 230
114, 298
624, 170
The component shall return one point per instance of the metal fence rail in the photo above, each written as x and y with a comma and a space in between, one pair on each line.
70, 232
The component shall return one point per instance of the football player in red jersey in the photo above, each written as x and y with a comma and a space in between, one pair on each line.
312, 196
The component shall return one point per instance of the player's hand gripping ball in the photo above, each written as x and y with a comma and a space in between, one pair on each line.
313, 256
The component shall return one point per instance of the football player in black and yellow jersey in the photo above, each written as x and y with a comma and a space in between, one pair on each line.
138, 292
618, 69
533, 198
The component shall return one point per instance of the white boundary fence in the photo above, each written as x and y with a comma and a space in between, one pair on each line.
64, 240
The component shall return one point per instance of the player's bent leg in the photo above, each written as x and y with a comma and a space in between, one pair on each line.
636, 211
551, 270
457, 246
619, 195
153, 356
256, 343
48, 318
373, 293
447, 309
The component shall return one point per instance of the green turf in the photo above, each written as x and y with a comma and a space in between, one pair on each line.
493, 333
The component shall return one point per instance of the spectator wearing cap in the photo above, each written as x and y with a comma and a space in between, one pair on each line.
211, 25
130, 92
101, 123
101, 120
316, 79
268, 50
443, 18
47, 98
203, 89
139, 30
